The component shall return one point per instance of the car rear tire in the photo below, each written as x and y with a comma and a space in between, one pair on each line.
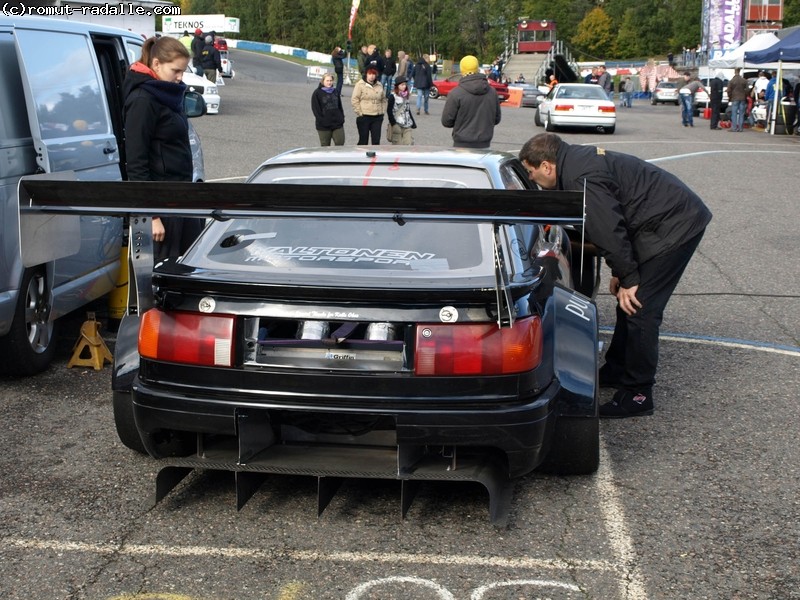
574, 448
537, 118
30, 344
653, 101
548, 124
610, 130
433, 94
126, 425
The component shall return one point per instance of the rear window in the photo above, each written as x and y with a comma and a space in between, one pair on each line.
279, 248
378, 174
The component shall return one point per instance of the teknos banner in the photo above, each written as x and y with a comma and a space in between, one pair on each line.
181, 23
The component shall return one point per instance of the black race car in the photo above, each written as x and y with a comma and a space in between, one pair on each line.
406, 313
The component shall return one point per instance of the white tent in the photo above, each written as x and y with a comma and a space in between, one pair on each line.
735, 58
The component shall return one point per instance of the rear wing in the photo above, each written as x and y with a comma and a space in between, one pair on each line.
50, 208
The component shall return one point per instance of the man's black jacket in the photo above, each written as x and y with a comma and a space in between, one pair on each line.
635, 211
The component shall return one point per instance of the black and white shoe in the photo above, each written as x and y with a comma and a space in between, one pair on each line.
627, 403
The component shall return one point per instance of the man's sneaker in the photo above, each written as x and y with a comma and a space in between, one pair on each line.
628, 404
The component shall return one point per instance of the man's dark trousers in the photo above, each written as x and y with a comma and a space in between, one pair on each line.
632, 356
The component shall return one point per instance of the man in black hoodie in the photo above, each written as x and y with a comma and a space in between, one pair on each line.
472, 109
647, 224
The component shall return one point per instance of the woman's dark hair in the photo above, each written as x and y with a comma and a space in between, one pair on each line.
166, 49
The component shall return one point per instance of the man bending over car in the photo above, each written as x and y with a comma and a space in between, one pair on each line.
647, 224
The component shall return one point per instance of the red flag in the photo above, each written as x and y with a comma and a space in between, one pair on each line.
353, 11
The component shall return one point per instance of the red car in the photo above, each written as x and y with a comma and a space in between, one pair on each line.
220, 43
442, 87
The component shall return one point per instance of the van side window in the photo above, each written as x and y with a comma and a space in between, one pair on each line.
13, 112
64, 82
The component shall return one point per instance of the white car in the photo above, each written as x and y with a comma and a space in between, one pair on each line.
577, 105
208, 89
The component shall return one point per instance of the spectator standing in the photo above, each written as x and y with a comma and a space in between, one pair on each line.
760, 84
647, 224
605, 82
769, 97
389, 70
337, 58
326, 104
157, 134
402, 65
186, 40
627, 92
472, 109
401, 121
737, 96
715, 98
423, 80
198, 42
361, 60
687, 92
374, 60
210, 60
369, 103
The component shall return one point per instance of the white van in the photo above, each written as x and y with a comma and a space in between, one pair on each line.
60, 110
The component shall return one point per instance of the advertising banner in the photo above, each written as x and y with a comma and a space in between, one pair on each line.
722, 20
181, 23
353, 11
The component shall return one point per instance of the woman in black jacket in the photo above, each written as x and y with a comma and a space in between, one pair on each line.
157, 133
326, 104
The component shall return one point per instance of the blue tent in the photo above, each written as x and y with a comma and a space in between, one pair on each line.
785, 50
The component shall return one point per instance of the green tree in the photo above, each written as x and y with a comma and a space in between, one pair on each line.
595, 37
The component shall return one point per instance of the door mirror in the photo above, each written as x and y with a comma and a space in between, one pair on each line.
194, 105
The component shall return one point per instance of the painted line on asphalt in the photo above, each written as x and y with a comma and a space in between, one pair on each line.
632, 581
710, 152
689, 338
308, 555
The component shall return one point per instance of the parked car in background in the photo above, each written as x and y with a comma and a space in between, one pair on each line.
531, 94
577, 105
442, 87
60, 111
204, 87
665, 91
702, 99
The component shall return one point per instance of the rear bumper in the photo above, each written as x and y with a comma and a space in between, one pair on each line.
520, 431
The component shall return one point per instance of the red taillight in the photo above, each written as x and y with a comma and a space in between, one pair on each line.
564, 107
478, 348
607, 109
190, 338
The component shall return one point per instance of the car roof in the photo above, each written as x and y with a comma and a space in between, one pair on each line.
64, 25
429, 155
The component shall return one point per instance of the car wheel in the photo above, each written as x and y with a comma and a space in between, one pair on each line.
653, 101
30, 344
677, 103
574, 448
126, 425
433, 93
537, 118
548, 124
610, 130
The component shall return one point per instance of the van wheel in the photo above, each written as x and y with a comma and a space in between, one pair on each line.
30, 345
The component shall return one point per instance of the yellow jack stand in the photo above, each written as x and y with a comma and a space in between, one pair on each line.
90, 340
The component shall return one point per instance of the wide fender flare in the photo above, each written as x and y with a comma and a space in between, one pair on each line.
575, 351
126, 354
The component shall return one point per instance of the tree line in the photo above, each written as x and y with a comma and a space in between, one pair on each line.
592, 29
